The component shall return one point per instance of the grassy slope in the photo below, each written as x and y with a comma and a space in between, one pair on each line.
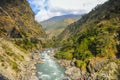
18, 36
16, 22
12, 59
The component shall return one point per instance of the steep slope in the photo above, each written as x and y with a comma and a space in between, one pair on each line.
12, 60
100, 13
19, 34
17, 20
93, 42
56, 25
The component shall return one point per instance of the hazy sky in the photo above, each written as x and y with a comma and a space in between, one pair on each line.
45, 9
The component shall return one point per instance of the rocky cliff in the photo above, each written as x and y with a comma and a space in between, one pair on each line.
19, 34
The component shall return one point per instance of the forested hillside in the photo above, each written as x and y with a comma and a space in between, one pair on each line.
94, 42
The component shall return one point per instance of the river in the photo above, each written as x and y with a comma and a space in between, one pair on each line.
50, 69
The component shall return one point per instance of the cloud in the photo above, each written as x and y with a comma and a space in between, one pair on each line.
45, 9
38, 5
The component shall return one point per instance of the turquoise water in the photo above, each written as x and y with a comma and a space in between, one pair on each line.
50, 69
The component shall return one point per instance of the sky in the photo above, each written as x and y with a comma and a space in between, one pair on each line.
45, 9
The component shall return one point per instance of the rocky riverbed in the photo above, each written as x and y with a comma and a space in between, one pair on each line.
96, 69
30, 72
72, 71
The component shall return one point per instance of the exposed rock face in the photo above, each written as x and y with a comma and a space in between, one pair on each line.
97, 70
95, 65
71, 70
107, 70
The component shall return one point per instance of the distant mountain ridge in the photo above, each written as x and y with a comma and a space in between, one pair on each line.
55, 19
57, 24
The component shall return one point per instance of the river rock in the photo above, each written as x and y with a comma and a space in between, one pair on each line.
30, 72
73, 72
65, 63
3, 77
33, 77
95, 65
96, 69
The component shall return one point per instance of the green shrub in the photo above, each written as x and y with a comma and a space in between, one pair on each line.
67, 55
25, 43
58, 55
9, 53
80, 64
14, 66
34, 40
64, 55
81, 51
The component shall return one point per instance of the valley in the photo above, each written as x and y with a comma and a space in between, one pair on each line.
66, 47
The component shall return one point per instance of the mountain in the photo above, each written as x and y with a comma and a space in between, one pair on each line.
93, 43
56, 19
19, 33
56, 25
16, 22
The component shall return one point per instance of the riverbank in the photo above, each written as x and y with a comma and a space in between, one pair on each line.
30, 72
50, 69
95, 70
70, 69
